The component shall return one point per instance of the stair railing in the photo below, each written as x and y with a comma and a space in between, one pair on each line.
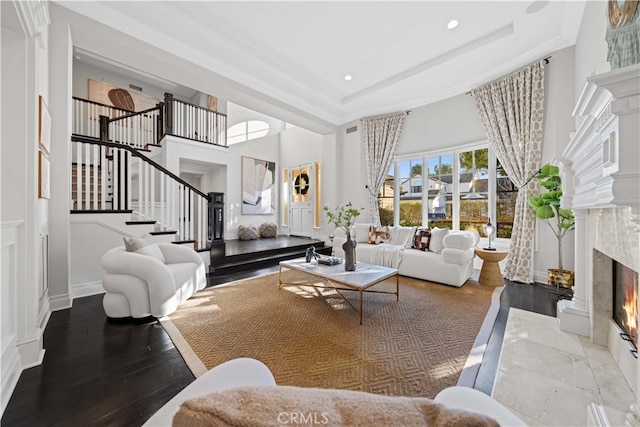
193, 122
170, 117
138, 129
118, 177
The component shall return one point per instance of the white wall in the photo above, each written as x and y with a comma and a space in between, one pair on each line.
450, 122
591, 47
267, 148
23, 217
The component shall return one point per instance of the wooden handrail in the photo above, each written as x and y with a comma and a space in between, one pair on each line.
100, 104
136, 153
137, 113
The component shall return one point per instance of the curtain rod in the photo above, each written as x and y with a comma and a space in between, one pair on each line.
383, 115
546, 61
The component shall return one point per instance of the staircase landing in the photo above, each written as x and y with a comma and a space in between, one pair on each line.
248, 255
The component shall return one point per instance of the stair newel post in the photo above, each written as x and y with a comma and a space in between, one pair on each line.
160, 122
104, 128
168, 114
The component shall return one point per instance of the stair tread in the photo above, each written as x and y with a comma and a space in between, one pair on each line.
138, 222
159, 233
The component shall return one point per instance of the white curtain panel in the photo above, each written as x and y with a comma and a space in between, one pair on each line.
380, 136
511, 110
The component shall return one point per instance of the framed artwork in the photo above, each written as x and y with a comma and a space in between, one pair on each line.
44, 126
123, 99
44, 176
258, 186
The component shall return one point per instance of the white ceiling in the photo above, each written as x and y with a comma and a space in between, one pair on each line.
400, 54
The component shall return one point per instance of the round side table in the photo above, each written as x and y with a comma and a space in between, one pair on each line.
490, 273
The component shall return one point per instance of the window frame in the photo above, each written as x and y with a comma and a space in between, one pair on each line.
455, 152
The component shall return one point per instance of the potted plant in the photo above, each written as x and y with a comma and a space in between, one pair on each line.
561, 221
344, 217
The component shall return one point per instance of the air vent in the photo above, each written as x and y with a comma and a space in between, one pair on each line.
352, 129
134, 87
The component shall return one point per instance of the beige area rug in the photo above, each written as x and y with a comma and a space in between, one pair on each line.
310, 337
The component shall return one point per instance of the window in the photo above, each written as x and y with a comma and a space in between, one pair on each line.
462, 191
440, 191
473, 184
246, 131
411, 192
506, 193
385, 198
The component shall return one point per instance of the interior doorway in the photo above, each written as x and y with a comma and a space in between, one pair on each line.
302, 184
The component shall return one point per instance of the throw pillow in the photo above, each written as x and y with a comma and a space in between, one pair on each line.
362, 232
422, 239
378, 235
144, 246
268, 229
242, 406
437, 236
247, 232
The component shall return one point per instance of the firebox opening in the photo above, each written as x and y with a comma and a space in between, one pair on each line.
625, 301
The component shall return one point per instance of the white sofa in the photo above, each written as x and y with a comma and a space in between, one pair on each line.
452, 264
139, 286
245, 372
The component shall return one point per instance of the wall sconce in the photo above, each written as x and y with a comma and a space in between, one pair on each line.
489, 229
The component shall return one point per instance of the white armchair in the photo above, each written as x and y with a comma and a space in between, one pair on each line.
139, 286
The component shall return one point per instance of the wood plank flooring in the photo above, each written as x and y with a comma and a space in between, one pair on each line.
103, 374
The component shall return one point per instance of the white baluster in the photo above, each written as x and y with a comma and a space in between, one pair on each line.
103, 172
163, 205
95, 177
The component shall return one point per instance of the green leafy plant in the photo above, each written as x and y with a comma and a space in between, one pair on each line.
343, 216
547, 206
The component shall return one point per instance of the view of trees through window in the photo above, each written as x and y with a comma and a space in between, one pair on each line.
430, 180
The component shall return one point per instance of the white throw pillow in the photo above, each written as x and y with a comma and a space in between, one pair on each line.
153, 251
401, 236
144, 245
362, 232
437, 237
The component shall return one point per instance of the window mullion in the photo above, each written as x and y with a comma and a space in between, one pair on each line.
455, 199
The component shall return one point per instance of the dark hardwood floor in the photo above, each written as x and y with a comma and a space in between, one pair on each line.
99, 373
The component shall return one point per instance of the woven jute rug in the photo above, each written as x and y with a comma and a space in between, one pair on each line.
311, 337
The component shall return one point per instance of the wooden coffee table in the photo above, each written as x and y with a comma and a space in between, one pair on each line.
490, 273
364, 277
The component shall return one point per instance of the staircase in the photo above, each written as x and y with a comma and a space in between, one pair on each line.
111, 170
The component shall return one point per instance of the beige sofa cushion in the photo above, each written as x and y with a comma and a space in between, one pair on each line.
283, 405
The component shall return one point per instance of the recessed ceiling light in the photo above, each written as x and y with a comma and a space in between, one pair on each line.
348, 77
452, 24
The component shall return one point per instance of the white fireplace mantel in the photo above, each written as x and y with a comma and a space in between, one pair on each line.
602, 160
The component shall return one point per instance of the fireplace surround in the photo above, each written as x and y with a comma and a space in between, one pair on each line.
601, 168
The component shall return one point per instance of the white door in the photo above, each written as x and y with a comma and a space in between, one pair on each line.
301, 216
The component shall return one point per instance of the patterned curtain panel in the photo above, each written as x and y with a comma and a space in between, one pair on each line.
511, 110
380, 136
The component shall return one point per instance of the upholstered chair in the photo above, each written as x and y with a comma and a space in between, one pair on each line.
141, 284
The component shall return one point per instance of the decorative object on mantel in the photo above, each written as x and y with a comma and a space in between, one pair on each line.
344, 217
546, 207
623, 33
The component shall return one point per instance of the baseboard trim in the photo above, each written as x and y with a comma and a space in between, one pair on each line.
60, 302
86, 289
11, 370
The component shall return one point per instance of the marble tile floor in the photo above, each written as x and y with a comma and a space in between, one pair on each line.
549, 377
